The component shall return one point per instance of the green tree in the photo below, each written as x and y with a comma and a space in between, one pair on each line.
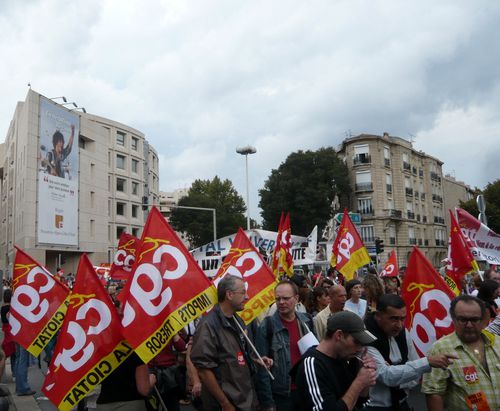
197, 225
305, 185
492, 199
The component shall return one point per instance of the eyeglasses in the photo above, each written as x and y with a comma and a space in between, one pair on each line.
284, 299
465, 320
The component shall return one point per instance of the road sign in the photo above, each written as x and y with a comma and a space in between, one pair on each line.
355, 218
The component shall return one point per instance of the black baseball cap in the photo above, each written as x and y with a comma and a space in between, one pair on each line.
352, 324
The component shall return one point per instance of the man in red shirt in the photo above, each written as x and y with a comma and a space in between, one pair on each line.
277, 337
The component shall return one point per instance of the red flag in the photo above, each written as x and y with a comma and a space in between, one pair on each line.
427, 299
124, 257
391, 266
460, 258
167, 289
277, 247
286, 259
245, 261
38, 306
90, 345
348, 250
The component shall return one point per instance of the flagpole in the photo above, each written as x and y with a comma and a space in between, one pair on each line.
253, 347
161, 399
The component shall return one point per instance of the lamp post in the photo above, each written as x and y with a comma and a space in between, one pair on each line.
245, 151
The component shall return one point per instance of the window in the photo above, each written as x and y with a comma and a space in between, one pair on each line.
135, 165
120, 138
135, 188
135, 210
119, 231
92, 199
364, 181
92, 228
135, 143
120, 161
361, 154
411, 236
120, 208
406, 162
121, 185
365, 206
392, 235
367, 233
135, 232
81, 143
388, 183
390, 204
387, 156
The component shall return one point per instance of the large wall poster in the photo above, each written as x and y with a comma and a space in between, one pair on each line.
58, 175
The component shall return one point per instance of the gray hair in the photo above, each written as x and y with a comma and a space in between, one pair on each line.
228, 283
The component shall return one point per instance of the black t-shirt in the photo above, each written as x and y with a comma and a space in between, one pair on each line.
120, 385
4, 311
322, 381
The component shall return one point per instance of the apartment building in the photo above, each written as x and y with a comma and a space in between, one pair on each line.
455, 191
59, 202
399, 193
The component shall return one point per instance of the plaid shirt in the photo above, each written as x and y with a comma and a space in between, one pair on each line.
466, 383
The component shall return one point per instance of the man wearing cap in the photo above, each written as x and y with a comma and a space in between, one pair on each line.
398, 364
278, 338
325, 378
338, 298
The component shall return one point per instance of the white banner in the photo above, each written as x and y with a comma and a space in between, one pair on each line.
58, 175
210, 256
485, 243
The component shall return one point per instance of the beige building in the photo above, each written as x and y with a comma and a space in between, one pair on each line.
170, 199
96, 194
454, 192
399, 193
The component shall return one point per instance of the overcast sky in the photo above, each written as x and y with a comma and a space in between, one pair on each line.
201, 78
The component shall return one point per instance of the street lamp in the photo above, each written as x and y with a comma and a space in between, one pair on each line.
245, 151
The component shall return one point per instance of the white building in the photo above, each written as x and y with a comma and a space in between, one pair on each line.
56, 208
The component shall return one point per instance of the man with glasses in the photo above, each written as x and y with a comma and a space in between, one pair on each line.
277, 337
336, 374
472, 381
398, 365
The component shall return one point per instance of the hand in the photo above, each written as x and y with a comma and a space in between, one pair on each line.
441, 360
367, 377
369, 362
266, 362
196, 390
152, 380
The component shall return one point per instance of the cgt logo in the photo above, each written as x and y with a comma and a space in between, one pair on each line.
470, 375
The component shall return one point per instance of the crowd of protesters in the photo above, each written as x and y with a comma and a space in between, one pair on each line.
325, 344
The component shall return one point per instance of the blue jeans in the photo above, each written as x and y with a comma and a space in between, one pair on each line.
21, 370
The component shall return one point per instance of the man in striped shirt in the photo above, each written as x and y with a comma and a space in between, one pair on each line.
329, 377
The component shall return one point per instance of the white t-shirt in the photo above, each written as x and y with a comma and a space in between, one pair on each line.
359, 308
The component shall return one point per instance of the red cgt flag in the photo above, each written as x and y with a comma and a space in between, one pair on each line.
286, 259
124, 260
38, 306
90, 345
391, 266
348, 250
460, 258
427, 299
277, 247
167, 289
245, 261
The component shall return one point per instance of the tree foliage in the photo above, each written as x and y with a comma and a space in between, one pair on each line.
305, 185
198, 225
492, 199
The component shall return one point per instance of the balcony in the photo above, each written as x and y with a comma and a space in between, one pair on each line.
412, 241
387, 162
388, 188
364, 187
396, 214
409, 191
411, 215
406, 166
360, 159
437, 199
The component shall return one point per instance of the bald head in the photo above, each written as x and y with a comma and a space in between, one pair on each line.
338, 298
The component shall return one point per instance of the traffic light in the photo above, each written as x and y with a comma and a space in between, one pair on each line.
379, 246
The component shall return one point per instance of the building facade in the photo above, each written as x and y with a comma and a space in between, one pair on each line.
57, 203
454, 192
399, 193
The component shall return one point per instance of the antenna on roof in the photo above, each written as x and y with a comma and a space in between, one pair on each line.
412, 138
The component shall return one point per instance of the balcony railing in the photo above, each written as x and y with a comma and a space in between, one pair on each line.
406, 166
387, 162
388, 188
361, 159
409, 191
364, 187
437, 199
411, 215
394, 214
